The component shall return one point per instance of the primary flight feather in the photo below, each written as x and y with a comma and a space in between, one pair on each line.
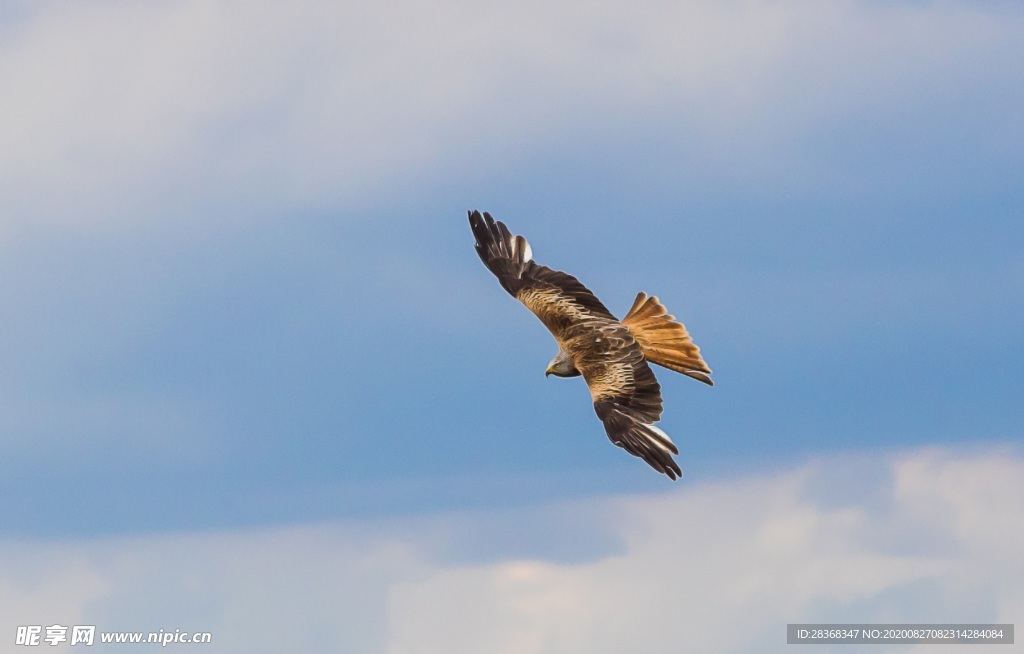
611, 355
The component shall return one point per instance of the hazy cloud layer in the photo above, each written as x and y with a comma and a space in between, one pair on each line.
924, 536
132, 112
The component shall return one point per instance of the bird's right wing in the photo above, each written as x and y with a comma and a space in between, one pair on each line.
627, 398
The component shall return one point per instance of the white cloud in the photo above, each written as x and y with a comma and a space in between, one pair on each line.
925, 536
132, 110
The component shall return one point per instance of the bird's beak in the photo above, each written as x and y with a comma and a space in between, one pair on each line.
547, 373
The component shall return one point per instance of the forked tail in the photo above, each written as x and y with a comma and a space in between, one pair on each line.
663, 340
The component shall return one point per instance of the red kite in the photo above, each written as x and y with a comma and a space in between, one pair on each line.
611, 355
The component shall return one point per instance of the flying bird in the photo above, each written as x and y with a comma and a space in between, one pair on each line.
611, 355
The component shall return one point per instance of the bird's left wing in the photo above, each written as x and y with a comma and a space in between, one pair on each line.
557, 298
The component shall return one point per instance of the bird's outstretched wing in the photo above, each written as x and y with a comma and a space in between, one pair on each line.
556, 297
627, 397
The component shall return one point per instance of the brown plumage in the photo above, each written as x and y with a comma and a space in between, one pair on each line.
612, 356
663, 340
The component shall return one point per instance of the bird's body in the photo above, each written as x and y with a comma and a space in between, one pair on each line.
611, 355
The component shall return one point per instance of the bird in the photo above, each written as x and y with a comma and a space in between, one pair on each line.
612, 356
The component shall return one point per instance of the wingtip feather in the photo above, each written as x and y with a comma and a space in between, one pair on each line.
641, 439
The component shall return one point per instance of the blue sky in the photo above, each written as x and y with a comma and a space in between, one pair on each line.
241, 300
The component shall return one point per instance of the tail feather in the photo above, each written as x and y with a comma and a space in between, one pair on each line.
663, 340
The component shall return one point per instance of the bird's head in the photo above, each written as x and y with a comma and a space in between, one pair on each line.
562, 366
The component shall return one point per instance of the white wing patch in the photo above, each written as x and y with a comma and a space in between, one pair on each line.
517, 245
659, 437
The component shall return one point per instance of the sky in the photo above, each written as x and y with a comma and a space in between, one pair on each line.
255, 381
